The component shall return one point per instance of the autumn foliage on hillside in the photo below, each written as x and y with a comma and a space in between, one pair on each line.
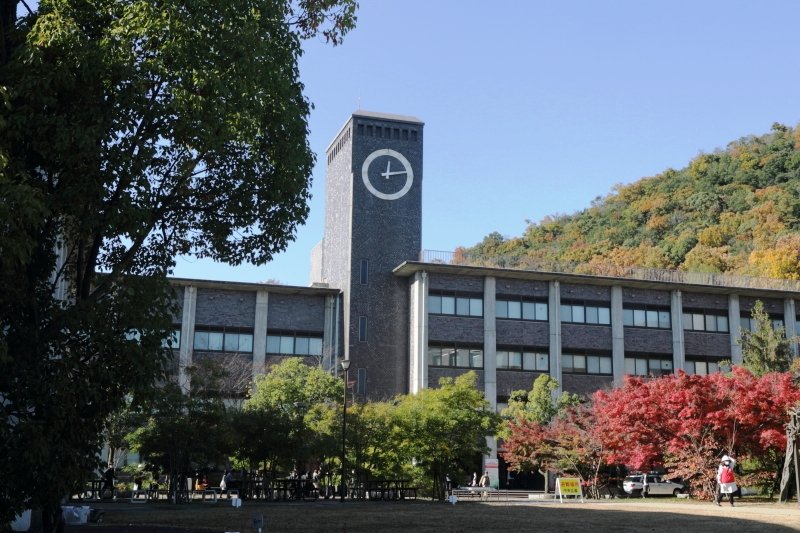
682, 423
735, 211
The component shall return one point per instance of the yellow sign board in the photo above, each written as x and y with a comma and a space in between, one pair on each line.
568, 486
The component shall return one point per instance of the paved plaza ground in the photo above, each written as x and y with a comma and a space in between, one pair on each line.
422, 516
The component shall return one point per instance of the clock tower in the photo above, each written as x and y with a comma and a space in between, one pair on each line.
373, 222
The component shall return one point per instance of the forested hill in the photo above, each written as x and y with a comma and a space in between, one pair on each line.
734, 211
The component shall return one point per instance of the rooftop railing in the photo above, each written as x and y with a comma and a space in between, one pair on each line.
644, 274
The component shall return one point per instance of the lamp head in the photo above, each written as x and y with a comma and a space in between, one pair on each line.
345, 364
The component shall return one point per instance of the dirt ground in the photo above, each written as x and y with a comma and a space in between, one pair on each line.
421, 516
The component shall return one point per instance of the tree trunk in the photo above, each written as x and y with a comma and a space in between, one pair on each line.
52, 519
791, 436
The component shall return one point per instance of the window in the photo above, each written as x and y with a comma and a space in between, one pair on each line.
534, 361
703, 368
361, 383
291, 344
646, 317
585, 313
362, 329
364, 274
705, 321
455, 356
644, 365
441, 304
748, 324
521, 309
586, 364
223, 341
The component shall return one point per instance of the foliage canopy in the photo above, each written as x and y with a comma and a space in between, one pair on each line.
133, 131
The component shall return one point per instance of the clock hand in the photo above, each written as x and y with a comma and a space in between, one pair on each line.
387, 174
389, 170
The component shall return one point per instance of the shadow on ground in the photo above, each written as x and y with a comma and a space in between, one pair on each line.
439, 517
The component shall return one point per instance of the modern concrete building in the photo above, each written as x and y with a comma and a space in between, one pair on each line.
405, 318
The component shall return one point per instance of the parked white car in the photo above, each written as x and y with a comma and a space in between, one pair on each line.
633, 485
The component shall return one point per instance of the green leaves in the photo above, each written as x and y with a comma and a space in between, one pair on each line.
132, 132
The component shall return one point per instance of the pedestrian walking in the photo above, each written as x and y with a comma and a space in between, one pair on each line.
726, 480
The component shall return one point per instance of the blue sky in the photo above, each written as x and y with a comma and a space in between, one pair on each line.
536, 108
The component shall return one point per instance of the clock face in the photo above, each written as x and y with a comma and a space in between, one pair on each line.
387, 174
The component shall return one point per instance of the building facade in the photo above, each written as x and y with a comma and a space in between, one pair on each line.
405, 321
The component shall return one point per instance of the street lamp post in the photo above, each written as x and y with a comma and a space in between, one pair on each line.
345, 366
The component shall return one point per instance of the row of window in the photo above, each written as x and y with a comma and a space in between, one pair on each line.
533, 361
294, 345
452, 356
702, 368
700, 321
646, 318
748, 324
585, 314
455, 357
642, 366
586, 364
455, 305
578, 313
226, 341
223, 341
521, 310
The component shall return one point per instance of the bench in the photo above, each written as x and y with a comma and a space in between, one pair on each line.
384, 489
408, 493
227, 493
471, 492
206, 495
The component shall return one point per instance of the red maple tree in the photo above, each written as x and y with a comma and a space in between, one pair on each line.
568, 443
686, 422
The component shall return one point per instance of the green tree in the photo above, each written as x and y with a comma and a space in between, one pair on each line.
118, 426
132, 132
369, 427
182, 433
765, 347
443, 429
536, 405
259, 436
297, 392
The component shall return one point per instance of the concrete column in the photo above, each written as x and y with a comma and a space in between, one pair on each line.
490, 354
617, 336
187, 336
790, 322
329, 348
734, 325
554, 318
260, 333
678, 344
418, 345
